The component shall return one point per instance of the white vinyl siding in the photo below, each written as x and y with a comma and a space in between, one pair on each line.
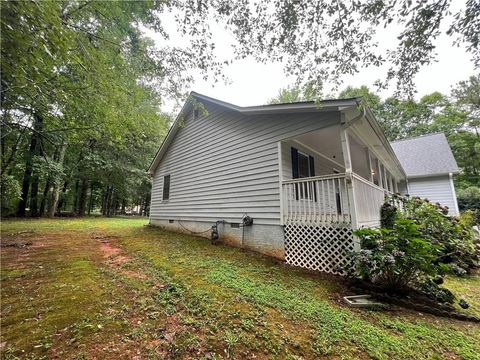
225, 164
436, 189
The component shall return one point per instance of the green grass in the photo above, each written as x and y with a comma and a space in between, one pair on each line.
178, 296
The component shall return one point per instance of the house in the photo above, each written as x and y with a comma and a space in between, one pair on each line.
429, 165
288, 180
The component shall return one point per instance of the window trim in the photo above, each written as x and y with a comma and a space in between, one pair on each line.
308, 162
167, 198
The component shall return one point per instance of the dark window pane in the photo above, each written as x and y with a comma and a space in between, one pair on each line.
166, 187
303, 166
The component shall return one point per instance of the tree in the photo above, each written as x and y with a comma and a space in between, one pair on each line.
76, 77
456, 116
320, 41
295, 93
370, 99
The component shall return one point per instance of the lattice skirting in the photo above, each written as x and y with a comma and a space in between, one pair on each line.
318, 247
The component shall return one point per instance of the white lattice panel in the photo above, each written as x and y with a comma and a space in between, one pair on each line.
318, 247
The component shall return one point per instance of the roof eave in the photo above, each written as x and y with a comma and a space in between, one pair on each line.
420, 176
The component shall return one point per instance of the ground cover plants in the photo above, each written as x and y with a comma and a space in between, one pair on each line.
114, 288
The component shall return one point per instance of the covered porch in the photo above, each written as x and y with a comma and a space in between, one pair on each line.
333, 181
333, 176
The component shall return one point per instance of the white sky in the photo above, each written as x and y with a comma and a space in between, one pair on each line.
252, 83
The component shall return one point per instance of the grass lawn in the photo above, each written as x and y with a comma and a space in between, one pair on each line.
113, 289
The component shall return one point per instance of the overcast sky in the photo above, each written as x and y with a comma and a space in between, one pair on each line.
252, 83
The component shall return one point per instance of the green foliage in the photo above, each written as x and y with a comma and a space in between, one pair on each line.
388, 214
83, 76
457, 116
221, 297
296, 93
415, 247
454, 235
369, 98
469, 199
396, 258
10, 193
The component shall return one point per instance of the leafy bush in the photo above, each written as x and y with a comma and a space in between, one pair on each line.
388, 214
415, 247
453, 234
10, 193
394, 258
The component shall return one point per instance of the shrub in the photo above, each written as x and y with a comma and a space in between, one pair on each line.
415, 247
10, 194
454, 235
394, 258
388, 214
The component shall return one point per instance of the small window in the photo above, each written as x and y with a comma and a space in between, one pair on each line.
196, 114
166, 187
235, 225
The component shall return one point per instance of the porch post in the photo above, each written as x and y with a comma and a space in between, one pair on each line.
385, 183
280, 178
349, 179
369, 162
380, 175
390, 182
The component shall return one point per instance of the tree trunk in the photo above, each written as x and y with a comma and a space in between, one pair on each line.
90, 202
75, 197
61, 202
146, 205
82, 199
111, 201
27, 176
34, 197
46, 189
56, 185
104, 201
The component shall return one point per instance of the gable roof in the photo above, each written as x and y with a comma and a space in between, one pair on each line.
425, 155
307, 106
280, 108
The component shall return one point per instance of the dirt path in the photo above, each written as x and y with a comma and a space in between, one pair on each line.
115, 256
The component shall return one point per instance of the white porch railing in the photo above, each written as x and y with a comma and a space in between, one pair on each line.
325, 199
368, 201
318, 199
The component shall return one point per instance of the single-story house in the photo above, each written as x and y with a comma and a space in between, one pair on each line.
429, 165
288, 180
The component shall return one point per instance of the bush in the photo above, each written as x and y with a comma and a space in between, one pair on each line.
10, 194
454, 235
388, 214
415, 248
394, 258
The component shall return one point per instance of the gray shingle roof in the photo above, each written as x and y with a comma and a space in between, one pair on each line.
425, 155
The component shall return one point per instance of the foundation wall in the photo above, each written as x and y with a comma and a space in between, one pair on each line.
265, 239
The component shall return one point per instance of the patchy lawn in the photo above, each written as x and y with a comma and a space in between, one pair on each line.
113, 288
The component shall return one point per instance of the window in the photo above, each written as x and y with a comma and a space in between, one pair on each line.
196, 113
302, 167
166, 187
